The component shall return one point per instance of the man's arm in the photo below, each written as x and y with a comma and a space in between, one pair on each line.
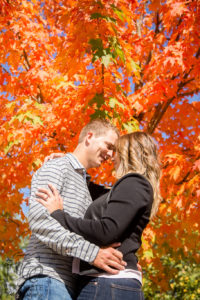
48, 230
97, 190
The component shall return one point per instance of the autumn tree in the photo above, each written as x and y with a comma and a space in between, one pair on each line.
134, 62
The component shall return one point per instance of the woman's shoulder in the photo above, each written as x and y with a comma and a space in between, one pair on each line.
132, 181
133, 177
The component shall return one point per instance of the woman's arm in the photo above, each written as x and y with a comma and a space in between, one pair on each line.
128, 198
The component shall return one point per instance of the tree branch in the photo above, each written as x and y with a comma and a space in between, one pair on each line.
4, 69
27, 65
158, 22
160, 110
102, 77
198, 53
185, 178
149, 57
188, 93
162, 107
39, 98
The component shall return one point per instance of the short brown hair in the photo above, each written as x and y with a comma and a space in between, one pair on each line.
99, 127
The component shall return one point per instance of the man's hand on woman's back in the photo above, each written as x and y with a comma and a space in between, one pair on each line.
53, 155
110, 259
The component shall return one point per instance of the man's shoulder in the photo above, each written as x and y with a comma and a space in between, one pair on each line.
56, 165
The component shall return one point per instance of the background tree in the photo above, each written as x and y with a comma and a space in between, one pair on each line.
134, 62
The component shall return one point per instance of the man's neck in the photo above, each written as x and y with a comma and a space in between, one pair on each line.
79, 154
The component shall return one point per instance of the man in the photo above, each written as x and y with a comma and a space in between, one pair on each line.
46, 272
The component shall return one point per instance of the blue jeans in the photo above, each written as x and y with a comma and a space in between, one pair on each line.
44, 288
110, 289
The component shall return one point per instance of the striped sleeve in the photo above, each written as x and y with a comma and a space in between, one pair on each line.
48, 230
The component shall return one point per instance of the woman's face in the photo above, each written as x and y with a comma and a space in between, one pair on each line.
116, 160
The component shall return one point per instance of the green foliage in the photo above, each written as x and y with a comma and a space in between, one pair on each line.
25, 117
109, 54
8, 269
184, 283
118, 12
8, 272
98, 99
113, 102
100, 16
131, 126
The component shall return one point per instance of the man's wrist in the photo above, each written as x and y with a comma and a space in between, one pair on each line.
94, 255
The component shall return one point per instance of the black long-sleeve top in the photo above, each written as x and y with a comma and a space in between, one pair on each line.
121, 219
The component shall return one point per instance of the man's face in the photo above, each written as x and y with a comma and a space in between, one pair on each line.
101, 148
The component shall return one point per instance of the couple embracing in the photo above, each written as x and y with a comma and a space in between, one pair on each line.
81, 249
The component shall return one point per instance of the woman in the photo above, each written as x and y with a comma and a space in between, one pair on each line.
120, 216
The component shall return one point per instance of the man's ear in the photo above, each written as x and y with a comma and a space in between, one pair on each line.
89, 136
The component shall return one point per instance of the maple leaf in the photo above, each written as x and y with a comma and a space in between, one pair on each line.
197, 164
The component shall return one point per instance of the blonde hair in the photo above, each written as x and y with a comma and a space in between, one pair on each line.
98, 127
138, 154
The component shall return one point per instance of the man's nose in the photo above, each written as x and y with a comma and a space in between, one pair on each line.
110, 154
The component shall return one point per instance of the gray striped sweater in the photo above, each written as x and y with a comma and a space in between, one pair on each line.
51, 247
